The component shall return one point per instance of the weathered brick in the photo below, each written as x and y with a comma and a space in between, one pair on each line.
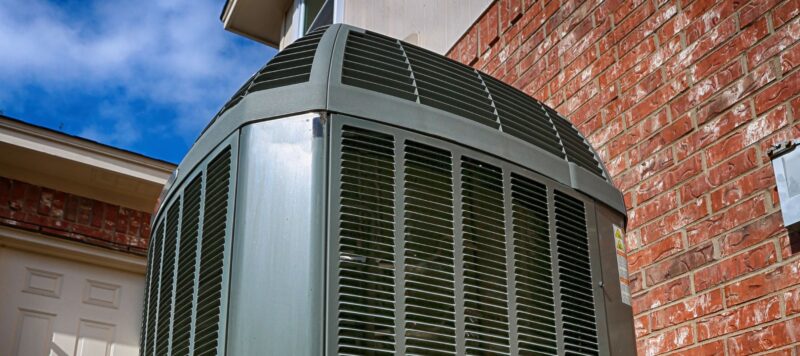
655, 252
774, 44
778, 92
714, 348
671, 340
785, 12
751, 234
712, 131
766, 338
741, 264
641, 325
706, 88
488, 28
680, 264
762, 284
661, 295
668, 180
652, 209
735, 191
733, 320
687, 309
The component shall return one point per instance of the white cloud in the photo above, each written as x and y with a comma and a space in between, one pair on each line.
169, 52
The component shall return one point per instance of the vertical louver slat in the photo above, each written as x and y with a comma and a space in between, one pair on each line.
167, 285
577, 149
575, 276
484, 254
291, 66
152, 289
212, 254
366, 309
523, 117
184, 285
533, 268
376, 62
450, 86
429, 281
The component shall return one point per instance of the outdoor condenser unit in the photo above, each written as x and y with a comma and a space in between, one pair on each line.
363, 196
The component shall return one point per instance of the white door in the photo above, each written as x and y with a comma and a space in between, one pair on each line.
59, 307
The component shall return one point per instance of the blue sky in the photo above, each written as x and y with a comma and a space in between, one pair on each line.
146, 76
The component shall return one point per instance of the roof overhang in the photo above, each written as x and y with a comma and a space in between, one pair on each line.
74, 165
259, 20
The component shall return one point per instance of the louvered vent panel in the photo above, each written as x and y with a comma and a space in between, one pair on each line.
375, 62
533, 268
212, 254
366, 244
152, 291
429, 281
578, 151
187, 257
291, 66
167, 271
574, 270
484, 256
523, 117
450, 86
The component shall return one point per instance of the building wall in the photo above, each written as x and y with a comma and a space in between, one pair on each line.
435, 25
63, 215
682, 98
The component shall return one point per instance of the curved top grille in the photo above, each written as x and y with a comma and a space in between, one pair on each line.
366, 74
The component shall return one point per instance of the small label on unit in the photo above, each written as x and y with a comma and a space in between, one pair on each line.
622, 264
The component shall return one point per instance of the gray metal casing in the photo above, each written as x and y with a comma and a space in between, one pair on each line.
280, 288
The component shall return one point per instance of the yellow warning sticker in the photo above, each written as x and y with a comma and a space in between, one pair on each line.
622, 264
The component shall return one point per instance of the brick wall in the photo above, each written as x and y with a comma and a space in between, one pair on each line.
682, 98
68, 216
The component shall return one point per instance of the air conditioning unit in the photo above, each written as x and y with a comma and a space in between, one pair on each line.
363, 196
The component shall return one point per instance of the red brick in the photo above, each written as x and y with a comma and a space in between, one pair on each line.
669, 179
689, 213
664, 138
729, 51
751, 234
735, 191
790, 58
698, 49
778, 92
652, 209
753, 9
766, 338
469, 49
655, 252
712, 131
709, 20
647, 28
658, 98
714, 348
641, 325
792, 300
726, 220
785, 12
757, 79
510, 12
774, 44
706, 88
687, 309
734, 166
762, 284
671, 340
488, 27
661, 295
733, 320
680, 264
741, 264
